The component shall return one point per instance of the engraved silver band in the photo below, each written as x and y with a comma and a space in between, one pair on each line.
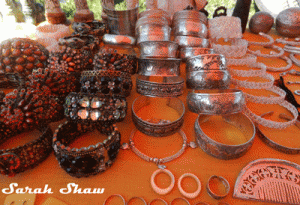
118, 39
159, 66
206, 62
225, 183
158, 49
189, 27
188, 41
188, 52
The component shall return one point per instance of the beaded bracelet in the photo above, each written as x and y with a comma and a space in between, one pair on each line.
271, 40
238, 48
249, 73
247, 59
25, 157
268, 100
288, 66
272, 53
255, 85
291, 49
92, 108
292, 43
225, 27
89, 160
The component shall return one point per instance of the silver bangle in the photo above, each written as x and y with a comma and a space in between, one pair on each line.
216, 102
272, 53
136, 197
152, 32
179, 198
188, 52
190, 27
118, 195
157, 127
295, 60
206, 62
204, 79
214, 195
159, 66
291, 43
118, 39
188, 41
237, 49
271, 40
158, 49
281, 69
291, 49
159, 86
224, 151
189, 14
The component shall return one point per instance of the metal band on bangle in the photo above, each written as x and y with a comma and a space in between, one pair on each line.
157, 127
136, 197
179, 198
158, 49
214, 195
188, 27
188, 52
188, 41
158, 86
224, 151
206, 62
216, 102
208, 79
118, 39
89, 160
158, 199
159, 66
118, 195
189, 195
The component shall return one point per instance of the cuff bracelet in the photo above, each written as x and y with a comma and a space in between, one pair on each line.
159, 86
188, 52
118, 39
89, 160
189, 14
92, 108
159, 66
224, 151
153, 32
224, 182
157, 127
189, 27
208, 79
206, 62
216, 102
190, 41
158, 49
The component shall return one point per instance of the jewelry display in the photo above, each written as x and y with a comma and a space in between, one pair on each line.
295, 60
118, 195
225, 151
157, 127
236, 49
158, 199
261, 22
83, 13
190, 15
255, 85
288, 23
291, 43
246, 60
272, 54
224, 182
159, 66
93, 108
265, 44
189, 27
107, 82
288, 66
89, 160
269, 180
216, 102
189, 52
55, 31
251, 72
225, 27
22, 158
206, 62
153, 32
267, 100
182, 199
158, 49
189, 195
156, 188
190, 41
118, 39
140, 198
95, 28
159, 86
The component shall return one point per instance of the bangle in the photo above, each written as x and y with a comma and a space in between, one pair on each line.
182, 199
272, 53
206, 62
25, 157
255, 85
188, 52
154, 13
237, 49
295, 60
159, 86
140, 198
157, 127
272, 124
225, 183
158, 49
225, 151
216, 102
189, 27
158, 199
251, 72
118, 195
92, 108
118, 39
84, 42
291, 49
225, 27
291, 43
189, 14
288, 66
89, 160
189, 195
107, 82
265, 44
153, 32
156, 188
190, 41
267, 100
159, 66
248, 59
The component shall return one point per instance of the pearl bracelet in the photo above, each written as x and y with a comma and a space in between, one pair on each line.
249, 73
271, 40
272, 53
255, 85
295, 60
288, 66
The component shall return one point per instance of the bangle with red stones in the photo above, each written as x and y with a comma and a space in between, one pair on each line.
25, 157
89, 160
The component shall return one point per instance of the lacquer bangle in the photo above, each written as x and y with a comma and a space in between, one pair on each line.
158, 190
225, 151
184, 193
225, 183
158, 199
159, 66
237, 49
208, 79
247, 59
182, 199
118, 195
292, 43
225, 27
268, 100
216, 102
251, 72
118, 39
271, 40
281, 69
295, 60
188, 52
89, 160
272, 53
136, 197
159, 86
190, 41
157, 127
255, 85
206, 62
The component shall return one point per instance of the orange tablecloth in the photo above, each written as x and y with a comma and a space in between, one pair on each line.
130, 175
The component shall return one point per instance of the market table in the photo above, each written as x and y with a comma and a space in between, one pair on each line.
130, 176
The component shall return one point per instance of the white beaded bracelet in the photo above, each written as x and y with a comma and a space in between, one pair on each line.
292, 43
225, 27
267, 100
273, 124
249, 73
237, 49
281, 69
247, 59
295, 60
271, 40
255, 85
272, 53
189, 195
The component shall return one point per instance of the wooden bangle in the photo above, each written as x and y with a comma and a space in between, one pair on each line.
189, 195
118, 195
183, 199
158, 199
156, 188
214, 195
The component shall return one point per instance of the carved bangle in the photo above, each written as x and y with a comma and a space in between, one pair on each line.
157, 127
272, 124
208, 79
118, 195
158, 199
206, 62
118, 39
140, 198
271, 40
189, 195
158, 86
158, 49
216, 102
247, 59
255, 85
156, 188
188, 52
190, 41
225, 27
292, 43
214, 195
268, 100
159, 66
288, 66
25, 157
179, 198
89, 160
107, 82
295, 60
92, 108
272, 53
190, 27
224, 151
237, 49
251, 72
